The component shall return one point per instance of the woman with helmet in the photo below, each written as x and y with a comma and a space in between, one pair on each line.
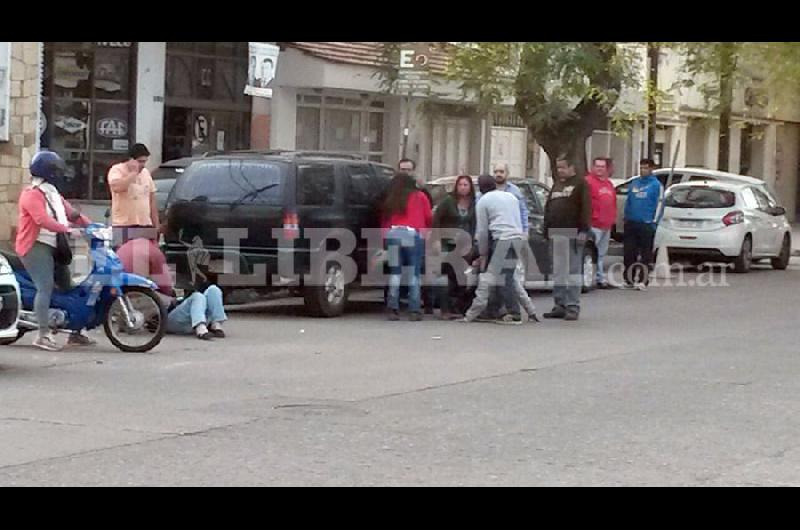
43, 213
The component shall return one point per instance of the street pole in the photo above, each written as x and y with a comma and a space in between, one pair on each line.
653, 52
407, 124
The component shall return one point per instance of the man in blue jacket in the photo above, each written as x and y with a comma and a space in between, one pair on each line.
644, 208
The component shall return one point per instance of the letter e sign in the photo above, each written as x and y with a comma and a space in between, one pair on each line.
406, 58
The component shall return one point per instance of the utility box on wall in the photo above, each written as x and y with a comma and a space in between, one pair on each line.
5, 90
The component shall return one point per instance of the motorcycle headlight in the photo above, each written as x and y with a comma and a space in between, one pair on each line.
5, 267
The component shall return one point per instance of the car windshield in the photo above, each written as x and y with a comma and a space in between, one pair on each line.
700, 197
233, 182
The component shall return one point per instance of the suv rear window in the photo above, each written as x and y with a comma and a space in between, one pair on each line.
316, 185
231, 181
164, 173
696, 197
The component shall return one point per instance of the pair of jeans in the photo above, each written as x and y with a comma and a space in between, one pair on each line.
502, 270
568, 272
406, 250
602, 238
199, 308
46, 274
639, 239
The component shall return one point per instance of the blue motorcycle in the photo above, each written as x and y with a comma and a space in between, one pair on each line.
126, 305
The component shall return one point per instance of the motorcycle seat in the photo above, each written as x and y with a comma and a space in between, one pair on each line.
13, 259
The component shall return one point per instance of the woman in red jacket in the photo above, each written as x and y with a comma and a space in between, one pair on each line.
43, 213
406, 221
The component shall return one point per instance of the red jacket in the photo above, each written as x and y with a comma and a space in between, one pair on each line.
604, 202
34, 215
418, 214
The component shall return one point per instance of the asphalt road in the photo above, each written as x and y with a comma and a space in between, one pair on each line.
673, 386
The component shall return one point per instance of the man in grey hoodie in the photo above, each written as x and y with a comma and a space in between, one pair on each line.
498, 219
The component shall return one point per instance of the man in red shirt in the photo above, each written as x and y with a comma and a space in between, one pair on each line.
604, 211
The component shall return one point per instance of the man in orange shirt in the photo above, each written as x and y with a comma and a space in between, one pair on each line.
134, 210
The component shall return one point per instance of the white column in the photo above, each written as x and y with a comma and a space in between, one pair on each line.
735, 151
712, 146
679, 133
283, 124
770, 154
150, 87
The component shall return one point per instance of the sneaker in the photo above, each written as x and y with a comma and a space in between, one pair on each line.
415, 317
510, 320
640, 287
571, 315
393, 315
47, 343
557, 312
533, 318
205, 336
603, 285
217, 333
79, 339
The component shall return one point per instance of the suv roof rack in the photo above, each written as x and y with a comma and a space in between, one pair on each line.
292, 154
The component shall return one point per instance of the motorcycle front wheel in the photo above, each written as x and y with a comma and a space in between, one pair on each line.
149, 321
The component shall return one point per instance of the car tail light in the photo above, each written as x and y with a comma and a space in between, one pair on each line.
291, 225
733, 218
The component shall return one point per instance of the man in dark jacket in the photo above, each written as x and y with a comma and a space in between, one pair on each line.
567, 221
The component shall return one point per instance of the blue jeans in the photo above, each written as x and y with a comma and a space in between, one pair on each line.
601, 240
406, 251
198, 309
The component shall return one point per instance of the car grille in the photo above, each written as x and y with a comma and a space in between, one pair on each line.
8, 314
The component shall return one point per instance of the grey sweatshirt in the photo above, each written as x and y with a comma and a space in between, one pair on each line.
497, 214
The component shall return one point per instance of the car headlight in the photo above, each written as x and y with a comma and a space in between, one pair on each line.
5, 267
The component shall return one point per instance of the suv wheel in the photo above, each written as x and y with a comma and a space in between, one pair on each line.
781, 263
744, 261
328, 299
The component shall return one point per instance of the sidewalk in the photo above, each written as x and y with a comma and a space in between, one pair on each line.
796, 239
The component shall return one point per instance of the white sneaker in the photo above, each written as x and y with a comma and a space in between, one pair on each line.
47, 343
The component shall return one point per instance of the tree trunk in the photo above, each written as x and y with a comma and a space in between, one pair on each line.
727, 68
573, 147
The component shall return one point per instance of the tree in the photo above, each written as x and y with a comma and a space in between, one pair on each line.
717, 68
563, 91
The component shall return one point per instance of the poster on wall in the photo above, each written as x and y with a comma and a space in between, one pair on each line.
261, 72
5, 89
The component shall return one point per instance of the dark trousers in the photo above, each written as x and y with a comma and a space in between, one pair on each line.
123, 234
639, 239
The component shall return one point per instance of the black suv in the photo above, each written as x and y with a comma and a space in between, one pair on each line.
262, 192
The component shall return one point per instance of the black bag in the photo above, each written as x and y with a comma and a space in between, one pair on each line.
63, 252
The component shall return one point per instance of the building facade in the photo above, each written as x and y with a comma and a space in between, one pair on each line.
19, 107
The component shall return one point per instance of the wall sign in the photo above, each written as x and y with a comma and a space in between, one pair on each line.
114, 44
112, 128
5, 90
